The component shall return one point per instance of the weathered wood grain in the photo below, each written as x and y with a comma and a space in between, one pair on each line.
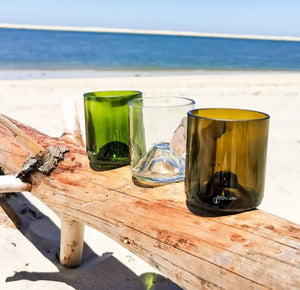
250, 250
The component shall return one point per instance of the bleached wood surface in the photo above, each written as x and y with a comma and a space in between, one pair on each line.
244, 251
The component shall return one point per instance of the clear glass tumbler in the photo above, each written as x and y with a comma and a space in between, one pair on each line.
158, 139
226, 159
107, 128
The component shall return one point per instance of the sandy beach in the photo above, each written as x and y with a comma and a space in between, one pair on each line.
28, 255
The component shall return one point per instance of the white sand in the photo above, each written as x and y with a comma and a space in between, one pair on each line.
36, 102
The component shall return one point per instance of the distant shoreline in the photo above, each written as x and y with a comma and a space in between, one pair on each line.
26, 74
154, 32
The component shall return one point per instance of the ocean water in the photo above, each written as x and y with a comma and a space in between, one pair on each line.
54, 50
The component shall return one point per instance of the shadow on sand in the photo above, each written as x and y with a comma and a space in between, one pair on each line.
95, 272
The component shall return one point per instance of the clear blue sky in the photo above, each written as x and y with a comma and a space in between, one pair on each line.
267, 17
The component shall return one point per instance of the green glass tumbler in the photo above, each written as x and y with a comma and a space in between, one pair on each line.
226, 159
107, 128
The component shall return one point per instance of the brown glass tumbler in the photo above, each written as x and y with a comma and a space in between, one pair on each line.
226, 159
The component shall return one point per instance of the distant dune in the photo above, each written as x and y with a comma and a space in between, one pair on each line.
141, 31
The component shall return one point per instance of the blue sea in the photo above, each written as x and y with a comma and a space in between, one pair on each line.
55, 50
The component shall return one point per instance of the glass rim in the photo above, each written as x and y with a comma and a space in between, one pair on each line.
114, 93
138, 104
264, 116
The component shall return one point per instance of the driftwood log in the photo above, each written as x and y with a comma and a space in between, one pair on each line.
250, 250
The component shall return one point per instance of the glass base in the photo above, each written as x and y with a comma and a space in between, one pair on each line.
159, 181
206, 210
159, 166
103, 166
212, 212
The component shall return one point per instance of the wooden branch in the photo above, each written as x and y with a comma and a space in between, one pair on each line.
245, 251
72, 231
10, 183
71, 121
71, 241
22, 139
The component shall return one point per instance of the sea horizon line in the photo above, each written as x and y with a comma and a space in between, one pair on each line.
147, 31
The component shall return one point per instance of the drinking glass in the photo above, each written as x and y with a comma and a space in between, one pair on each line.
226, 159
158, 139
107, 128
